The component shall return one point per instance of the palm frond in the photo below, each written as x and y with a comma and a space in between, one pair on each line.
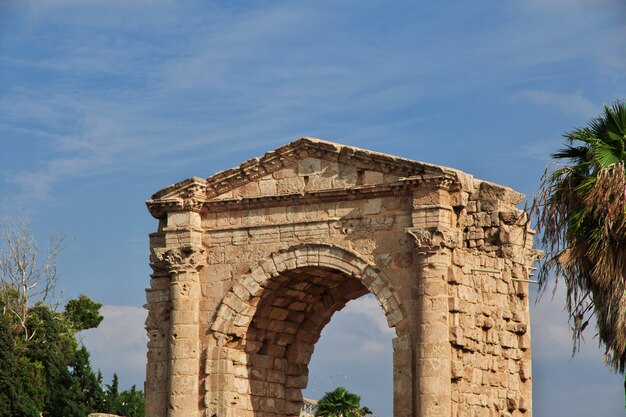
571, 152
581, 212
605, 155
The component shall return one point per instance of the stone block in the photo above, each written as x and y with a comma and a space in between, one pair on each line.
289, 185
184, 317
299, 382
309, 166
184, 384
508, 340
258, 388
241, 386
372, 206
267, 187
458, 371
253, 287
373, 177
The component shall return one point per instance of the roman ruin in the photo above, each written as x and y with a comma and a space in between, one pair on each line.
250, 264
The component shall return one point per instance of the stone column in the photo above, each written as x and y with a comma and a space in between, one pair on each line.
184, 260
435, 236
403, 357
157, 326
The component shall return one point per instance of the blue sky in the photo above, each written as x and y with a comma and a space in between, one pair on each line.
103, 103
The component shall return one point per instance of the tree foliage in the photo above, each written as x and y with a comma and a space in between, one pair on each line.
43, 368
133, 404
83, 313
581, 212
129, 403
341, 403
8, 371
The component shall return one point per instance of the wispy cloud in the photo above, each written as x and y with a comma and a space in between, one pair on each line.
102, 14
552, 334
535, 150
591, 31
561, 7
560, 378
118, 345
573, 103
224, 78
367, 308
83, 135
355, 352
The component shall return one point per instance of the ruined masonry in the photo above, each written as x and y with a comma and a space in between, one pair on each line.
251, 263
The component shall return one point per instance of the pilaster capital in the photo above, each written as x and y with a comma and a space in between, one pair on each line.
432, 239
444, 181
174, 261
189, 195
193, 197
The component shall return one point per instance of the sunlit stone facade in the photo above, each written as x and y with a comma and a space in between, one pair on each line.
250, 264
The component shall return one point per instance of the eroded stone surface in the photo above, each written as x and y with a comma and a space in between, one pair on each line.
251, 263
102, 415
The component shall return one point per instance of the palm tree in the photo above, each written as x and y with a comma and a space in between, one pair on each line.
341, 403
581, 211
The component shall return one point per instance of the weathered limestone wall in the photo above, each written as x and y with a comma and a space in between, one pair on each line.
489, 322
294, 306
250, 264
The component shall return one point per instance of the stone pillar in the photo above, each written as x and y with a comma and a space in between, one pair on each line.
183, 260
435, 236
403, 356
157, 326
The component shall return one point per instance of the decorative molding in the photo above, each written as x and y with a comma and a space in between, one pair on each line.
432, 239
271, 225
294, 199
193, 193
443, 181
159, 208
174, 261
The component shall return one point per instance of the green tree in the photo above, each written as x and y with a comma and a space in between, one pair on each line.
8, 372
581, 212
112, 400
133, 403
83, 313
129, 403
31, 388
43, 369
87, 385
53, 348
341, 403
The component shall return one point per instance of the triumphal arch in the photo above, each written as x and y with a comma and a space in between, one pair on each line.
250, 264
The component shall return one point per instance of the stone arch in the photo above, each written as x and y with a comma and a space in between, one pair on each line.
275, 314
456, 248
236, 310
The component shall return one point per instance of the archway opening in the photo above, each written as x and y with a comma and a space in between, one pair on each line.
355, 351
290, 315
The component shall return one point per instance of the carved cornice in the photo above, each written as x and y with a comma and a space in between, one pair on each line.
192, 194
174, 261
160, 208
432, 239
324, 196
443, 181
188, 195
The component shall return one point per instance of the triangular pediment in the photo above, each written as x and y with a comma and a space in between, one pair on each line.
307, 156
304, 165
